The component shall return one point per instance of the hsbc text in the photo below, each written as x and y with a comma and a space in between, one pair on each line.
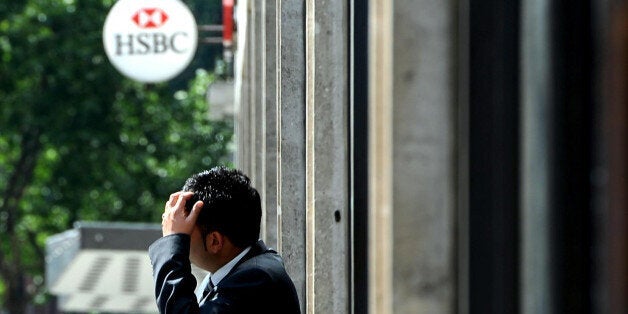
148, 43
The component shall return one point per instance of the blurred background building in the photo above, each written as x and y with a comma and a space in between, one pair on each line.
104, 268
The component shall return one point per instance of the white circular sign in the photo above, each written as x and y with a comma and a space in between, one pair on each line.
150, 40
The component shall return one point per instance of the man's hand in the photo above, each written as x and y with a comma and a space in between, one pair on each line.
174, 218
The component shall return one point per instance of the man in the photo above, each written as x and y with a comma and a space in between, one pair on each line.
214, 222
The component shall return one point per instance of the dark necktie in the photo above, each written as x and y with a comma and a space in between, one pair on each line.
209, 290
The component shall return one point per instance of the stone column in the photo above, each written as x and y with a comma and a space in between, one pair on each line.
413, 177
380, 203
327, 157
242, 96
269, 122
290, 60
536, 292
424, 156
257, 101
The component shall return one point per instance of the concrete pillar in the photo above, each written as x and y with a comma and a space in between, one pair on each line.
255, 126
536, 292
424, 156
413, 178
249, 131
327, 157
380, 203
269, 122
257, 103
290, 17
255, 66
243, 81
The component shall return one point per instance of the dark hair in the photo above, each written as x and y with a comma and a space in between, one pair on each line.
231, 205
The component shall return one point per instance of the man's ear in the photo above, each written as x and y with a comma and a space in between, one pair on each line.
214, 241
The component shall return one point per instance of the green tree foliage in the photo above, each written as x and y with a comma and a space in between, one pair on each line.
80, 142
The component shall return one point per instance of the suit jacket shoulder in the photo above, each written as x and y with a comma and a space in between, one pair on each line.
258, 282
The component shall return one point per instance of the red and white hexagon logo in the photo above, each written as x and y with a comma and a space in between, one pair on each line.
150, 40
150, 18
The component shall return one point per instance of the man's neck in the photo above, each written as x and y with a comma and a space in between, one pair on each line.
228, 253
225, 269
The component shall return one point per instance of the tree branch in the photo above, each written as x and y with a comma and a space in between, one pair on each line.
21, 176
5, 271
16, 185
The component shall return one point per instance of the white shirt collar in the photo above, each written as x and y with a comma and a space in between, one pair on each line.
217, 276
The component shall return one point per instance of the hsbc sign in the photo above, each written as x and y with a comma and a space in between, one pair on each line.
150, 40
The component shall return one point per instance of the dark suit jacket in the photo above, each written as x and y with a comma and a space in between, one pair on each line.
257, 284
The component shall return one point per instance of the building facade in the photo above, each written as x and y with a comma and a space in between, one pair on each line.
439, 156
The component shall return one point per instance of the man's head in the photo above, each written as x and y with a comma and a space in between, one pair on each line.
231, 206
